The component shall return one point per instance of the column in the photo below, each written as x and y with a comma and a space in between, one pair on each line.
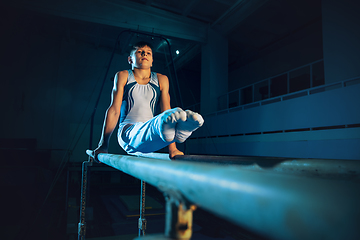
214, 71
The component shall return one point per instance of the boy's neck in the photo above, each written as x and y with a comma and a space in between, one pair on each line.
142, 73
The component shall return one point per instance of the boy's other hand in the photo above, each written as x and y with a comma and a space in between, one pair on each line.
96, 153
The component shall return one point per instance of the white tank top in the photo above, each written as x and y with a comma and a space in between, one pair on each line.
139, 101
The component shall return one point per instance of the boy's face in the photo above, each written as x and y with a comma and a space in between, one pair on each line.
142, 58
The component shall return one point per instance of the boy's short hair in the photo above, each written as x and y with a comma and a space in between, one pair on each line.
139, 45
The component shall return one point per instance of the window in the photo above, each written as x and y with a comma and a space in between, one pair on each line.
318, 74
234, 99
222, 102
278, 86
299, 79
261, 91
246, 95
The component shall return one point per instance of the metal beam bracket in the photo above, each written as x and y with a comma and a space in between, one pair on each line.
179, 217
142, 224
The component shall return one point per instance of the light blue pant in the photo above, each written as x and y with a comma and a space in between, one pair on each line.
138, 138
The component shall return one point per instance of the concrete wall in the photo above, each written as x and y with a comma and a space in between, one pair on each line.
300, 127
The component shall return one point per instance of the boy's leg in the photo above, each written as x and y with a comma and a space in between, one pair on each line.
168, 122
152, 135
185, 128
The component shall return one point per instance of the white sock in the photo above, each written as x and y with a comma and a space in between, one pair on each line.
168, 122
185, 128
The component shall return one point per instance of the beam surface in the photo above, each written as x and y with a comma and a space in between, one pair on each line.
279, 206
320, 168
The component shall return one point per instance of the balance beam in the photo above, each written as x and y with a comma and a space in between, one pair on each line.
278, 206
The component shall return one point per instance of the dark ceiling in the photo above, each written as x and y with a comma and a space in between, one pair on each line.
252, 27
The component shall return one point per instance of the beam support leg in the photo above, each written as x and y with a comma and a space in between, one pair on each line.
142, 220
84, 184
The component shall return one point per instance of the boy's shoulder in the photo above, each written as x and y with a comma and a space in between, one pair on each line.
163, 81
161, 76
123, 72
121, 77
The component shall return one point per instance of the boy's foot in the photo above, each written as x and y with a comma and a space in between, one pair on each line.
168, 122
185, 128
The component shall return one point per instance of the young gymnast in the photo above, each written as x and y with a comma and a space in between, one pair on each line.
134, 98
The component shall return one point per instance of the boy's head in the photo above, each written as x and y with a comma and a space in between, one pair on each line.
140, 45
141, 55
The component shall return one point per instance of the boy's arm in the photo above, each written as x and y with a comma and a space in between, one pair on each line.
165, 105
113, 112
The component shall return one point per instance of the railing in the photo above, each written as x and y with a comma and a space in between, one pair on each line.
279, 206
297, 82
309, 91
307, 76
288, 96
